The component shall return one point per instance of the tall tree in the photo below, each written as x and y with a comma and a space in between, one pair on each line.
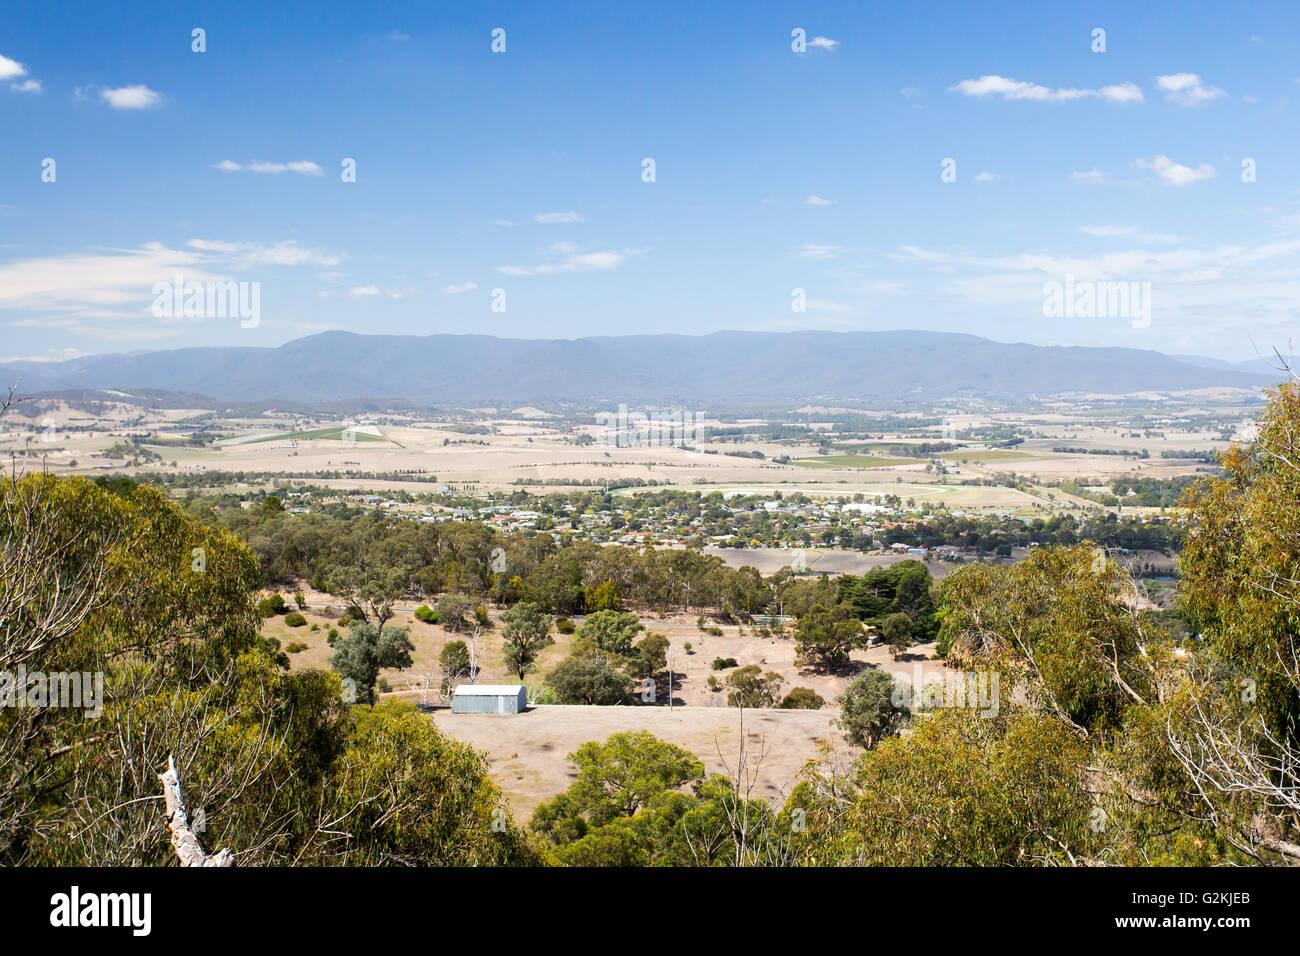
359, 656
526, 634
825, 635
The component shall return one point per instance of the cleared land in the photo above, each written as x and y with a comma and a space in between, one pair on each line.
853, 461
528, 751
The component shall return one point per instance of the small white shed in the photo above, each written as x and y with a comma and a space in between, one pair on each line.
489, 699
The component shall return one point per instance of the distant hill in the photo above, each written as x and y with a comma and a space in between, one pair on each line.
1259, 366
730, 367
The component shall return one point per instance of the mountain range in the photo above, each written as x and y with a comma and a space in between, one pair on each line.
722, 367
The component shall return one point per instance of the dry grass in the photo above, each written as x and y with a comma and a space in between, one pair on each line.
527, 752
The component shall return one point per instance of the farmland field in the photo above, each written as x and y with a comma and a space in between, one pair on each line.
853, 461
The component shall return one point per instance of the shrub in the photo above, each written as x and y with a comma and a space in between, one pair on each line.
649, 657
803, 698
271, 647
451, 610
296, 647
722, 663
426, 614
299, 600
360, 655
589, 680
294, 619
753, 688
611, 632
271, 606
867, 711
565, 626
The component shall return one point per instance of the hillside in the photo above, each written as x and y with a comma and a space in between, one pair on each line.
732, 367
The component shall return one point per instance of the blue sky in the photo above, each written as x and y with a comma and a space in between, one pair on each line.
774, 170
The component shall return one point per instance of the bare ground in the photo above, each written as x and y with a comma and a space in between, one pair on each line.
529, 751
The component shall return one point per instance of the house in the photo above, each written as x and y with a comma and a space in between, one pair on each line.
489, 699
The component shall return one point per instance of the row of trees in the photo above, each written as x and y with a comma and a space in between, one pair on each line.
372, 561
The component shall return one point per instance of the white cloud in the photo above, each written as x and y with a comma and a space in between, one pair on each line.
1009, 89
98, 283
304, 166
1196, 291
812, 250
10, 69
823, 43
1121, 93
986, 177
364, 291
1093, 175
138, 97
458, 289
817, 201
398, 35
1127, 232
584, 262
1176, 174
247, 255
1186, 89
598, 260
910, 92
553, 217
97, 292
50, 355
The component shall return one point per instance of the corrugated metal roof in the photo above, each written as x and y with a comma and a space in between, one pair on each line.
489, 690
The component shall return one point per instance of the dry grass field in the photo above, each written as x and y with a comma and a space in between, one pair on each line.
527, 752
